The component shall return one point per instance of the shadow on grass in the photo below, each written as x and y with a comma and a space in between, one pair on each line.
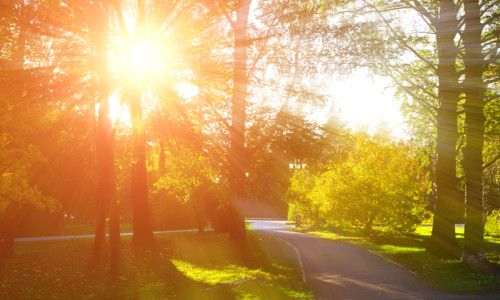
247, 270
210, 269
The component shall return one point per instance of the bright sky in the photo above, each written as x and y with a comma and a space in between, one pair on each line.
364, 101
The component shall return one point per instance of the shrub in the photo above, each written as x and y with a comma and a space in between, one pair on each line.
492, 226
378, 187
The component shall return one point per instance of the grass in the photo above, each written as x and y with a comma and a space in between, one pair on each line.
447, 275
184, 265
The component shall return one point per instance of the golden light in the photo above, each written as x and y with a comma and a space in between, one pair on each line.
142, 59
118, 112
139, 61
187, 90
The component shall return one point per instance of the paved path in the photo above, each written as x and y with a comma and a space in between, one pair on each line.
336, 270
84, 236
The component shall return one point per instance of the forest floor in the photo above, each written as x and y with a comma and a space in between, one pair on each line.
447, 275
184, 265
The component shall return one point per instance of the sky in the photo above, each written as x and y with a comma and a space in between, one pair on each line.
361, 101
365, 101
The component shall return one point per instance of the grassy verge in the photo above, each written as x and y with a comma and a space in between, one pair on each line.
183, 266
447, 275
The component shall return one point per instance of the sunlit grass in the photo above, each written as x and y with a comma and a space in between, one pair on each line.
445, 274
425, 231
393, 249
227, 274
183, 266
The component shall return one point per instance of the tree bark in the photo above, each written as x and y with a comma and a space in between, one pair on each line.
7, 249
114, 237
237, 159
105, 139
105, 185
443, 241
475, 90
143, 238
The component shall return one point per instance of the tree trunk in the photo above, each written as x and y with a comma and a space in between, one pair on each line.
105, 138
7, 249
143, 238
237, 134
114, 237
443, 241
474, 119
105, 194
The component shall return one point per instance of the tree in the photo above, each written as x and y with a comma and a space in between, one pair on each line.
18, 154
434, 59
476, 61
236, 153
443, 241
17, 195
377, 188
237, 157
276, 141
106, 188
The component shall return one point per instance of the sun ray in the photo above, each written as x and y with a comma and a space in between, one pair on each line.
119, 112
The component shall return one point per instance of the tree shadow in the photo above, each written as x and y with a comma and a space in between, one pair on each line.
151, 275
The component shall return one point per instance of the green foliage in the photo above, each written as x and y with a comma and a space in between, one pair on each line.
303, 207
379, 186
15, 190
492, 226
185, 170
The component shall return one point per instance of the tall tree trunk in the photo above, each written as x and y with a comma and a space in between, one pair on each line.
475, 90
114, 237
11, 222
7, 248
143, 237
443, 241
237, 157
114, 209
105, 139
105, 185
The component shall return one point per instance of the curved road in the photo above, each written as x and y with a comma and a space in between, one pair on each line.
335, 270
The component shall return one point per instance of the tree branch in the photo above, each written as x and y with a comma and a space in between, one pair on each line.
422, 11
495, 159
398, 37
226, 14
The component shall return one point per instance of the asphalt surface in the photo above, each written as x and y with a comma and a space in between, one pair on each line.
335, 270
86, 236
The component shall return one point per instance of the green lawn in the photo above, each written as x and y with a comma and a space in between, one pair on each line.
184, 265
447, 275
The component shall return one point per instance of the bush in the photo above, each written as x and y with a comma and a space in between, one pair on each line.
304, 209
492, 226
378, 187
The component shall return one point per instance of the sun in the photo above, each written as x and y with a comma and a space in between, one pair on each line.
141, 58
139, 61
